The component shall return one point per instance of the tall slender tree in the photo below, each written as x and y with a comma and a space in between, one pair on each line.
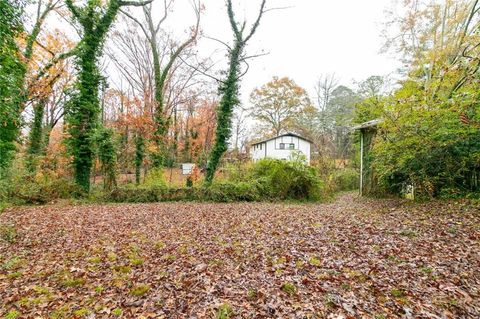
12, 71
229, 87
161, 73
95, 20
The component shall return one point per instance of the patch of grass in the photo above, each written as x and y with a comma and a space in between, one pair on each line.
8, 233
136, 261
426, 270
99, 289
41, 290
410, 233
117, 312
12, 314
3, 206
452, 230
345, 286
111, 256
169, 257
289, 288
15, 275
315, 262
95, 260
252, 293
82, 312
225, 311
397, 293
159, 245
279, 261
59, 313
453, 303
134, 249
139, 290
123, 269
73, 282
329, 300
13, 263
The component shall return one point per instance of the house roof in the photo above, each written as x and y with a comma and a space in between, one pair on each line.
368, 124
286, 134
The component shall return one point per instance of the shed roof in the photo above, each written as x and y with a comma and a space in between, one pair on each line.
368, 124
286, 134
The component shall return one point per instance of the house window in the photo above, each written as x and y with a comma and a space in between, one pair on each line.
291, 146
260, 146
282, 146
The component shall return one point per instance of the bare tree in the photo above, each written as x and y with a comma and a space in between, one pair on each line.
229, 87
151, 30
324, 87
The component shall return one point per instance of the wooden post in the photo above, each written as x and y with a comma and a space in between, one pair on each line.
361, 162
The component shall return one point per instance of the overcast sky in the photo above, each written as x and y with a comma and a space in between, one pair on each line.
310, 38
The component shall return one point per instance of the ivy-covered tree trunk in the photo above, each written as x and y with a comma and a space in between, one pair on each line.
139, 156
82, 115
12, 73
35, 146
229, 90
107, 154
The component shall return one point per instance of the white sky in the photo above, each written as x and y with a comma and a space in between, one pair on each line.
311, 38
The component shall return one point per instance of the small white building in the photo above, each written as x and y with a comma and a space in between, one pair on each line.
187, 168
281, 147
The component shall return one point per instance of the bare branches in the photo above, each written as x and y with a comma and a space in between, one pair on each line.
219, 41
257, 22
200, 71
136, 21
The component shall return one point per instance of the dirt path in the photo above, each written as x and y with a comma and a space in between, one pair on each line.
348, 259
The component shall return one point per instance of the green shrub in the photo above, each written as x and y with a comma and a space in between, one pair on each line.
133, 194
346, 179
41, 189
217, 192
231, 192
265, 180
287, 179
155, 178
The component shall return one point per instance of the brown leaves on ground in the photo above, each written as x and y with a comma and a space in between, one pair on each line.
349, 259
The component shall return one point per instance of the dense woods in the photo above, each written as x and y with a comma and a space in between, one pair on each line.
69, 118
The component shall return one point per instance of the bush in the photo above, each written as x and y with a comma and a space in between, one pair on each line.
231, 192
217, 192
346, 179
155, 178
24, 188
265, 180
133, 194
287, 179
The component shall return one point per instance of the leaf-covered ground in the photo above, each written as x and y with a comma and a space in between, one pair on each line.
354, 258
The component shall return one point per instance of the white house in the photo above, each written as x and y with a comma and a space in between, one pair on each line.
281, 147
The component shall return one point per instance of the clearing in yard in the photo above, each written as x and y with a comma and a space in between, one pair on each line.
351, 258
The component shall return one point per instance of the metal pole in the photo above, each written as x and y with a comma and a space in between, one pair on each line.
361, 162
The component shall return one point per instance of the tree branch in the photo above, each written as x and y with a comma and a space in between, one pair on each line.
134, 3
